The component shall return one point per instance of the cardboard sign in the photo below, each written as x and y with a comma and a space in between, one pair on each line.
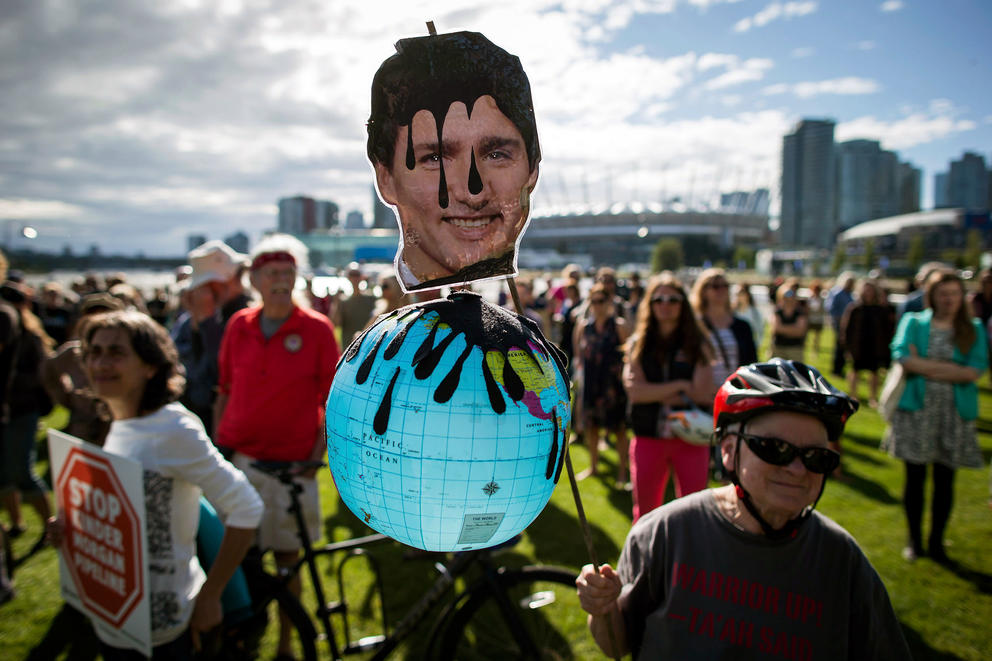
103, 566
453, 143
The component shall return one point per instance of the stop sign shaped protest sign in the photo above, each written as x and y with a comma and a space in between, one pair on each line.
102, 536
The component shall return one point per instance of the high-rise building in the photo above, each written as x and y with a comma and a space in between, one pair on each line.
382, 215
968, 183
303, 215
940, 191
354, 220
297, 214
194, 241
867, 182
326, 215
238, 241
990, 190
808, 185
909, 188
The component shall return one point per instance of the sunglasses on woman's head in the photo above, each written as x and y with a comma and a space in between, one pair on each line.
778, 452
666, 298
597, 301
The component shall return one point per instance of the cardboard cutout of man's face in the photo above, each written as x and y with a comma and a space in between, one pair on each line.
460, 181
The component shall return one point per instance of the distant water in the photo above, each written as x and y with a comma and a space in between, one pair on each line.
147, 281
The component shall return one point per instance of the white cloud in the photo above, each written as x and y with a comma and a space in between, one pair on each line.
892, 5
804, 90
915, 129
645, 161
747, 71
941, 107
22, 209
704, 4
713, 60
849, 85
775, 11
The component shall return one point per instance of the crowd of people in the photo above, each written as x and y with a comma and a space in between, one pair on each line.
235, 364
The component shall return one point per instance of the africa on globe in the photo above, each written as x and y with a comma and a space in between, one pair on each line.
447, 422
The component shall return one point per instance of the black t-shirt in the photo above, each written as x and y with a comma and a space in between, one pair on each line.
697, 587
646, 419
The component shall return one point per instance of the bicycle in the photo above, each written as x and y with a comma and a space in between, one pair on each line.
503, 613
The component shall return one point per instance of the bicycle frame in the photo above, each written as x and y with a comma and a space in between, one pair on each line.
386, 643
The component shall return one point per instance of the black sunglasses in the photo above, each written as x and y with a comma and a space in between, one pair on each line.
777, 452
666, 298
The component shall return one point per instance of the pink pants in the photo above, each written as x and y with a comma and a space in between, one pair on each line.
651, 459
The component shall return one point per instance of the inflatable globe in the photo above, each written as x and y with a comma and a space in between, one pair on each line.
447, 423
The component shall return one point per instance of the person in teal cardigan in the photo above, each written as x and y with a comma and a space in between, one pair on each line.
943, 351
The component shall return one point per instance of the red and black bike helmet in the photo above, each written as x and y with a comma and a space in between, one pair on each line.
781, 385
778, 385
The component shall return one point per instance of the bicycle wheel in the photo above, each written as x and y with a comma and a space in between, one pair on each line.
542, 600
303, 635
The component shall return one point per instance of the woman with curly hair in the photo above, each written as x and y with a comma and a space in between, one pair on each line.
133, 366
667, 369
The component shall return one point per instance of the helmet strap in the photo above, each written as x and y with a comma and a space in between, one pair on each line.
792, 525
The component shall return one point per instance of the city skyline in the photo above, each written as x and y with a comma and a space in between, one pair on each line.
133, 125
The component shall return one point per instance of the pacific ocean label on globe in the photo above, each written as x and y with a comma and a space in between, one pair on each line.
479, 528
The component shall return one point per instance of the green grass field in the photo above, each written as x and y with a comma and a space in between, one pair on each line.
945, 611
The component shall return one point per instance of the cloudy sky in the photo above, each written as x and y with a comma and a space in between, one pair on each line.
132, 123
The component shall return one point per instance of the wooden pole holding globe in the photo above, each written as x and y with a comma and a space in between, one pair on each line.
579, 510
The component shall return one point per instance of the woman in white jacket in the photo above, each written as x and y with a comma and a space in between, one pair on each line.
133, 366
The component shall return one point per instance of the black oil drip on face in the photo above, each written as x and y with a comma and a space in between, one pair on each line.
474, 179
439, 113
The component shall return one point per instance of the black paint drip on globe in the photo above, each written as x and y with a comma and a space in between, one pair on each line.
483, 325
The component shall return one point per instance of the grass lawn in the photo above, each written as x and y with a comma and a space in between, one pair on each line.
945, 611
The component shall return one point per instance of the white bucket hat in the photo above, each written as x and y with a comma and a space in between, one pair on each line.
214, 261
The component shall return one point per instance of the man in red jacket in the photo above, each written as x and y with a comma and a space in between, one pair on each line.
276, 364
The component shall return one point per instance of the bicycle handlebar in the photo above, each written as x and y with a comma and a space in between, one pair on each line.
285, 471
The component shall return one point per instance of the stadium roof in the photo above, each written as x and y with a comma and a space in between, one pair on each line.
894, 224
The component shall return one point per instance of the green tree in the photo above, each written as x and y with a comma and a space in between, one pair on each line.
972, 255
916, 251
837, 261
667, 255
869, 254
743, 254
952, 256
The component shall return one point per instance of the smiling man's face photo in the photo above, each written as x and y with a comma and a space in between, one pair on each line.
447, 156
